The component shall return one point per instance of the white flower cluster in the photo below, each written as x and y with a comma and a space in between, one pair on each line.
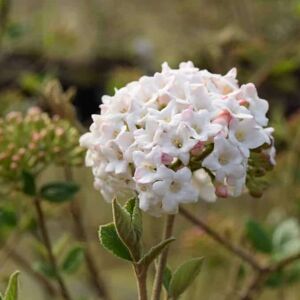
176, 136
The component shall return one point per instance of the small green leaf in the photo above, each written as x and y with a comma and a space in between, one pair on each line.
11, 292
167, 276
149, 257
45, 268
29, 185
183, 276
132, 208
126, 230
110, 241
259, 238
58, 192
73, 260
8, 217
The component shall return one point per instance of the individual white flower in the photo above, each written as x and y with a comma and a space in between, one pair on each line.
204, 185
225, 159
247, 135
177, 140
257, 106
174, 188
202, 128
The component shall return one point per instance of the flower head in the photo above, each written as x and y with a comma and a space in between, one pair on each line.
177, 136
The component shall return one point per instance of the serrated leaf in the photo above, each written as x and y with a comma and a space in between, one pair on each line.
73, 260
149, 257
125, 229
183, 276
110, 240
167, 276
258, 237
28, 184
58, 192
11, 292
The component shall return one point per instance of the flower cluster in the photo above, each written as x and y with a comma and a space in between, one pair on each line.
179, 135
32, 141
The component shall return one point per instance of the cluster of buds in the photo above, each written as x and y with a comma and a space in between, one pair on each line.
180, 135
30, 142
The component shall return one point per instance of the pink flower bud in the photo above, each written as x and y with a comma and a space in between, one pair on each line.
166, 159
222, 191
34, 111
163, 100
243, 102
197, 149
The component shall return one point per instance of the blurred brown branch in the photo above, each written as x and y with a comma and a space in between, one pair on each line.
95, 276
261, 272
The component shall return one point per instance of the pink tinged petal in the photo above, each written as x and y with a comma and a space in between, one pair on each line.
144, 175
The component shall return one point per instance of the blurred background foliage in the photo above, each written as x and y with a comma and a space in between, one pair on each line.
63, 55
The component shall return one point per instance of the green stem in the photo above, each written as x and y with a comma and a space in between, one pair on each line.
162, 261
45, 235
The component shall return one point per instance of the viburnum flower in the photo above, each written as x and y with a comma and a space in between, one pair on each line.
180, 135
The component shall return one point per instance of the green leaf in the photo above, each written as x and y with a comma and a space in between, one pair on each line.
29, 185
8, 217
73, 260
167, 276
149, 257
126, 230
45, 268
1, 296
110, 240
259, 238
132, 208
183, 276
58, 192
11, 292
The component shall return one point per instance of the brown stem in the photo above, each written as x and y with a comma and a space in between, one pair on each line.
255, 285
221, 240
45, 235
81, 233
162, 261
24, 264
141, 276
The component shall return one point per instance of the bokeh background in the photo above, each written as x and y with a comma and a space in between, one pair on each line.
94, 46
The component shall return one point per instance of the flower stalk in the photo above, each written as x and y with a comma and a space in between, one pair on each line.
162, 261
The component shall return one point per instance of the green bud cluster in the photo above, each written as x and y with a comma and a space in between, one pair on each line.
32, 141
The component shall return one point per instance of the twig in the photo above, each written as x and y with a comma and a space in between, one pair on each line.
157, 286
247, 257
45, 235
80, 231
